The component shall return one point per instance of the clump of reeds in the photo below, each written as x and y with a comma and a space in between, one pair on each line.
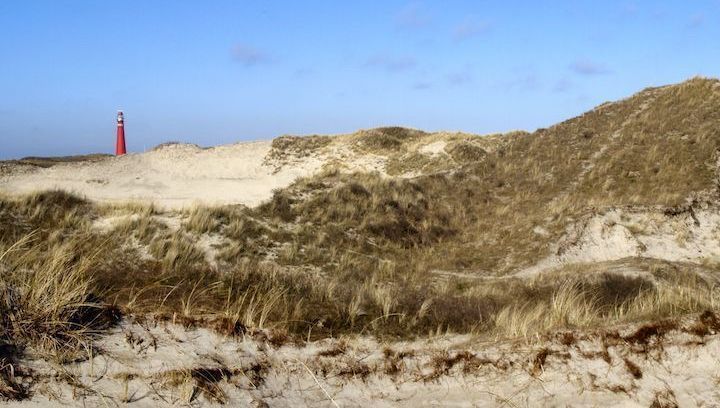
47, 300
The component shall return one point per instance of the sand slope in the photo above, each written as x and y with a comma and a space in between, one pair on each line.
171, 176
160, 364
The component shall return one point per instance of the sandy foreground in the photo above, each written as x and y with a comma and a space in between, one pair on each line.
161, 364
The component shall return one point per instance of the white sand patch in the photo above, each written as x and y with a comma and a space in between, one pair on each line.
142, 250
434, 149
173, 176
410, 174
209, 243
107, 224
538, 230
173, 222
343, 157
649, 233
180, 176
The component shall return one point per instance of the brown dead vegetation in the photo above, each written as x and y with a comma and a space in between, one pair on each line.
633, 369
538, 362
208, 381
706, 324
395, 361
11, 388
335, 350
652, 331
202, 381
664, 399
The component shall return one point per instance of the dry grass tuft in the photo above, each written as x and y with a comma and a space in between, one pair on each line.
538, 362
387, 138
394, 363
11, 389
285, 147
337, 349
653, 331
567, 307
352, 368
46, 301
706, 324
198, 381
442, 363
467, 152
664, 399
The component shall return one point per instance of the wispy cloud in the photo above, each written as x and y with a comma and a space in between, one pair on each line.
413, 15
587, 67
248, 55
421, 85
563, 85
525, 82
392, 63
696, 21
629, 8
470, 28
303, 72
459, 78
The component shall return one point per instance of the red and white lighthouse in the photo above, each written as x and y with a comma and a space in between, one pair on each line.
120, 143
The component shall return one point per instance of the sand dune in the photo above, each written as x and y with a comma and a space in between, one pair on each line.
171, 176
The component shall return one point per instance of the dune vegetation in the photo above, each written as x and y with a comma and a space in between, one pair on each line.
435, 246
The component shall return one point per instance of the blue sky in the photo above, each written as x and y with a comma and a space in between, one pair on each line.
212, 72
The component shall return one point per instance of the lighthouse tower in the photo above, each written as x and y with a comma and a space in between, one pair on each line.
120, 143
